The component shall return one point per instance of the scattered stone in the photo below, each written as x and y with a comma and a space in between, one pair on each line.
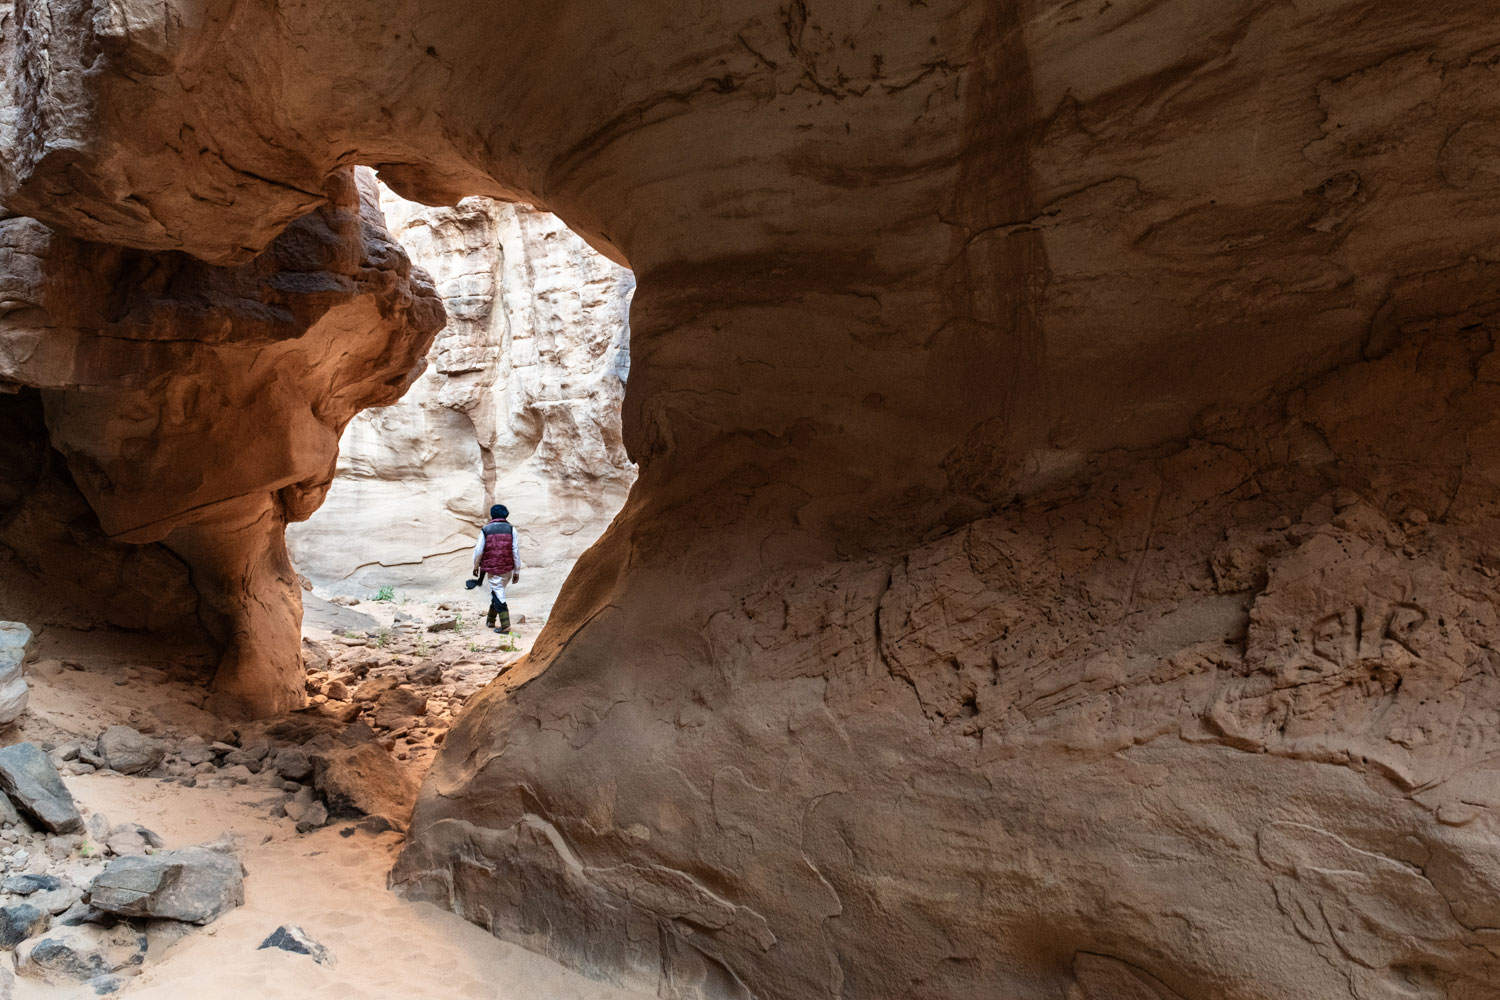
293, 764
193, 884
220, 748
443, 625
80, 953
58, 900
336, 691
239, 774
315, 816
131, 838
103, 986
127, 751
33, 784
364, 779
375, 688
195, 751
296, 940
83, 913
98, 827
25, 885
15, 652
20, 921
397, 707
357, 733
426, 673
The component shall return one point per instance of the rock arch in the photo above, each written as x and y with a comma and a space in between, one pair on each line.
1025, 398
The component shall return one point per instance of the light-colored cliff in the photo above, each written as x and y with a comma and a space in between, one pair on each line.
520, 405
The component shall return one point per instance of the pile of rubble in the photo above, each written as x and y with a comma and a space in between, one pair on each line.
84, 901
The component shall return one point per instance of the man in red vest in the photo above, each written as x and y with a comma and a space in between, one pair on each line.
498, 554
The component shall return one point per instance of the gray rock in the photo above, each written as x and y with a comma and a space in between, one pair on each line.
131, 838
25, 885
294, 765
312, 817
15, 651
80, 953
296, 940
193, 884
127, 751
33, 784
195, 751
103, 986
83, 913
58, 900
20, 921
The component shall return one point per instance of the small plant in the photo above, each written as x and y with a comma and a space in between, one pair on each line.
386, 593
351, 634
87, 848
473, 647
383, 638
421, 651
458, 621
512, 644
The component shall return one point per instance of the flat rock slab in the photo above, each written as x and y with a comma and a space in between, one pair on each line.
318, 613
193, 884
33, 784
364, 779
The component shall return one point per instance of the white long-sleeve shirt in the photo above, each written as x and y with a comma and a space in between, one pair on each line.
515, 546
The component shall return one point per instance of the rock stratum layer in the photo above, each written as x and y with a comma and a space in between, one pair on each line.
1063, 559
520, 405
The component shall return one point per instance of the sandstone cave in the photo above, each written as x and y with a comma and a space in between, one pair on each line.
1022, 490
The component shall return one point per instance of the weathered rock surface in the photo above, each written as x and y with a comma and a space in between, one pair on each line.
179, 395
80, 953
191, 884
20, 921
298, 942
1063, 561
29, 779
127, 751
15, 651
520, 404
364, 780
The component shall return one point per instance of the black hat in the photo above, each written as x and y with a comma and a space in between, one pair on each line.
499, 511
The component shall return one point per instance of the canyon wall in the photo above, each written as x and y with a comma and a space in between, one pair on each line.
1063, 560
168, 418
520, 405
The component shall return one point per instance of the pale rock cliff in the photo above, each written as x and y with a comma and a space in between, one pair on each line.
1064, 557
520, 405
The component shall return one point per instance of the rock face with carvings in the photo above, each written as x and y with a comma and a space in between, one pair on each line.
170, 418
1064, 557
520, 405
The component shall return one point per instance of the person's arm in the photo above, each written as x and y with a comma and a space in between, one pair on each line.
478, 552
515, 554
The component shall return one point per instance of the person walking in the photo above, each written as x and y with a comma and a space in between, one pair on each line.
497, 554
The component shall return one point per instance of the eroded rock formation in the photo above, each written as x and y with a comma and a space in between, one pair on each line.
520, 404
199, 410
1062, 559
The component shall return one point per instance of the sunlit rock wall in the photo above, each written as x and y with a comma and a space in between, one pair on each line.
520, 405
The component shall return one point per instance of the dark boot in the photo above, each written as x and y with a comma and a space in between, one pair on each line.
504, 619
495, 608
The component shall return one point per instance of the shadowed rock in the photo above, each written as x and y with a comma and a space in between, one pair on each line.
192, 884
29, 778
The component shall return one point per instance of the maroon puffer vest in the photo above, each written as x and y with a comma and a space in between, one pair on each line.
498, 558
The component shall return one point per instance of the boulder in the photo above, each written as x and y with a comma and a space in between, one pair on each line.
20, 921
297, 941
15, 652
28, 777
364, 779
398, 707
80, 952
192, 884
125, 750
294, 764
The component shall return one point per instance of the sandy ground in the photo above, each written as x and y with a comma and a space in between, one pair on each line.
330, 882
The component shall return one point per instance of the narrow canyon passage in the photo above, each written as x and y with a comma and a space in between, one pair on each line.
1061, 560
